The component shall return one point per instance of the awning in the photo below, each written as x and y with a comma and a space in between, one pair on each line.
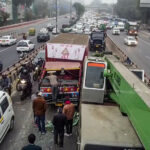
56, 66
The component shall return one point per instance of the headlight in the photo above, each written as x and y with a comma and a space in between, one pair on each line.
135, 32
36, 68
23, 81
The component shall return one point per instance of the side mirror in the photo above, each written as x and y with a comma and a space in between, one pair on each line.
107, 73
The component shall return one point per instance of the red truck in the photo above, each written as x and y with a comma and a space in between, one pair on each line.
65, 55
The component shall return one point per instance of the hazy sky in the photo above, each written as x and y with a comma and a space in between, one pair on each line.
104, 1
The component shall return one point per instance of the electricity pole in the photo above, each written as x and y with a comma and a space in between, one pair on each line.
70, 10
56, 16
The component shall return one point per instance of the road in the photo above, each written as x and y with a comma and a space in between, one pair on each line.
139, 54
10, 53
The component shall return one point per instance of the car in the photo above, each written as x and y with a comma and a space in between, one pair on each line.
43, 37
54, 31
50, 27
7, 40
87, 31
25, 46
116, 31
7, 115
79, 30
130, 41
44, 30
97, 41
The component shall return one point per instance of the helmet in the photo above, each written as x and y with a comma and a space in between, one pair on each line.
4, 75
25, 71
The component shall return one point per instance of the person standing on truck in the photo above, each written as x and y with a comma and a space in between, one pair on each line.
59, 121
69, 110
39, 109
54, 85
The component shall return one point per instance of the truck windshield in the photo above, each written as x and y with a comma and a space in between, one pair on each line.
95, 75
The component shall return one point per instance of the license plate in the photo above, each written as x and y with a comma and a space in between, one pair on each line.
3, 41
59, 104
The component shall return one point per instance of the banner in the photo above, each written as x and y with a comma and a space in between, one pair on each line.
65, 51
144, 3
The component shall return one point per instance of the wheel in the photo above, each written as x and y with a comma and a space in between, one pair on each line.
17, 86
12, 123
35, 77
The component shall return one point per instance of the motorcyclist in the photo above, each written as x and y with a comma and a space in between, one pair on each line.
24, 36
5, 83
1, 66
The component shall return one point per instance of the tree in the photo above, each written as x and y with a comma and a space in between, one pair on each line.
79, 9
4, 16
16, 3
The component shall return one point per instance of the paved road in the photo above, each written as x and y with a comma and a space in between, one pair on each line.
9, 56
140, 54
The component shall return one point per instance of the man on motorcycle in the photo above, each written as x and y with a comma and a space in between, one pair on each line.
5, 84
1, 66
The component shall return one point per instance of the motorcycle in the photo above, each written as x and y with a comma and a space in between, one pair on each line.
22, 56
25, 87
37, 69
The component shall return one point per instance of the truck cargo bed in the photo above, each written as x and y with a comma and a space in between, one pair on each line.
105, 125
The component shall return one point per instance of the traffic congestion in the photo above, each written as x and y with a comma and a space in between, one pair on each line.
75, 83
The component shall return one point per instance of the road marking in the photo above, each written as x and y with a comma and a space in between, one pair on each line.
145, 41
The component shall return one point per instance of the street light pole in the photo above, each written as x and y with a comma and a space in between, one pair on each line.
70, 10
56, 16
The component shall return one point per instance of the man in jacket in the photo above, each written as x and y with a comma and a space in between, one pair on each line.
31, 146
59, 121
69, 110
39, 109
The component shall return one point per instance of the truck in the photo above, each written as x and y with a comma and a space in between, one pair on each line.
121, 26
132, 28
64, 56
114, 107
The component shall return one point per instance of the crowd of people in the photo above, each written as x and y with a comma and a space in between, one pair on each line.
62, 121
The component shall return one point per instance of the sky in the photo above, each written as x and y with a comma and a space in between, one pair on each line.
104, 1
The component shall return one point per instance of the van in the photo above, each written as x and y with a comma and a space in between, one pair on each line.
6, 114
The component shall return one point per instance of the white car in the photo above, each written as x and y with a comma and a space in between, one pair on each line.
116, 31
7, 40
6, 114
130, 41
54, 31
25, 46
87, 31
79, 31
44, 30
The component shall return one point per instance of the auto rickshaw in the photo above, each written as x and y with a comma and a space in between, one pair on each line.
32, 31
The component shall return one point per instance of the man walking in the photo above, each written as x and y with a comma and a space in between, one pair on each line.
69, 110
59, 121
39, 109
31, 145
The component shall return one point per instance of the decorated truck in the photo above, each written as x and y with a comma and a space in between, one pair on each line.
64, 57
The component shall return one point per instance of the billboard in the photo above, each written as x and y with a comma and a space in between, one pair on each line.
144, 3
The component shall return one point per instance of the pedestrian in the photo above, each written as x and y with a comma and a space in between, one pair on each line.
31, 145
69, 110
39, 109
33, 97
54, 85
59, 121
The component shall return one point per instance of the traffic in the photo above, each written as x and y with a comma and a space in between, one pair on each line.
66, 66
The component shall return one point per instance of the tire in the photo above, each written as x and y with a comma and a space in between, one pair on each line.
17, 87
11, 124
35, 77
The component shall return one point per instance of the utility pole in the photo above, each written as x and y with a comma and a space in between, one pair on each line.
70, 10
56, 16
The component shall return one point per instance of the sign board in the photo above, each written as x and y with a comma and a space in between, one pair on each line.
144, 3
65, 51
